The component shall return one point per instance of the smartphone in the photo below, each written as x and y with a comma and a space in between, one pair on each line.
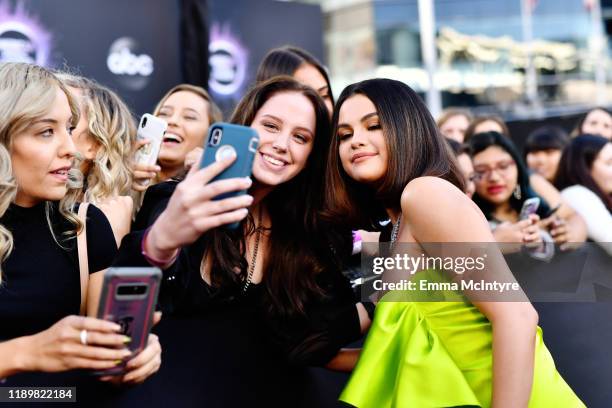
225, 138
530, 206
151, 128
128, 298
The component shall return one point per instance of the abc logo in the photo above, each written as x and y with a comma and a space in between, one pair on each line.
124, 62
131, 67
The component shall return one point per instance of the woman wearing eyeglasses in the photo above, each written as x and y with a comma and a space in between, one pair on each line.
502, 187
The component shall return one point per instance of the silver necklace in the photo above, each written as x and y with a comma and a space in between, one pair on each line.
249, 279
395, 230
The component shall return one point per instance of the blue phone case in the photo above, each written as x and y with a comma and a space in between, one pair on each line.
223, 138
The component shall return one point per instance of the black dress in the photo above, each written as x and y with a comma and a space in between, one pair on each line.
41, 280
224, 349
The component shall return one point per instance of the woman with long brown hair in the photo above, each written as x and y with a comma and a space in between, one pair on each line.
388, 159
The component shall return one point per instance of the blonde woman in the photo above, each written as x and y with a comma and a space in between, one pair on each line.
104, 138
42, 338
189, 111
7, 194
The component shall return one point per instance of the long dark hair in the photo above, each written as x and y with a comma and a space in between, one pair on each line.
285, 61
482, 141
299, 243
415, 149
576, 164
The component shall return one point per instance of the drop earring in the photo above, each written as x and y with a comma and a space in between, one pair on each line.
517, 192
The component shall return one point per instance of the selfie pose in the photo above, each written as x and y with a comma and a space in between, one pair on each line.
269, 289
387, 159
41, 292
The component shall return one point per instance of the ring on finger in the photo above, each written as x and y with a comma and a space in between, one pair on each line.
83, 336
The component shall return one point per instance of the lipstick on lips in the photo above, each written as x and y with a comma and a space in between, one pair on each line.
495, 189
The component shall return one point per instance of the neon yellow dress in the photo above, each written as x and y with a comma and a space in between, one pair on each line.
439, 354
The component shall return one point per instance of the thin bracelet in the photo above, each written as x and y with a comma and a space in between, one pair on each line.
160, 263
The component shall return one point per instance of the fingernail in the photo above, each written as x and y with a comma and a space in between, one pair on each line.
157, 168
248, 180
250, 198
117, 362
116, 327
127, 339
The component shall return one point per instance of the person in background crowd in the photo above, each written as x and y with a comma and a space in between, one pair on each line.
454, 122
597, 121
483, 124
538, 183
585, 181
280, 270
104, 139
41, 336
387, 159
189, 111
303, 67
462, 153
502, 186
543, 150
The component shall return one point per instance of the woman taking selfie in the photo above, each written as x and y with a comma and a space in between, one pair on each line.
388, 159
42, 337
189, 111
272, 282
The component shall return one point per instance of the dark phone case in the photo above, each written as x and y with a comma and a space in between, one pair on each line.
244, 141
133, 312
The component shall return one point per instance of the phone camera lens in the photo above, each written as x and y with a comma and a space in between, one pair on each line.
215, 137
143, 123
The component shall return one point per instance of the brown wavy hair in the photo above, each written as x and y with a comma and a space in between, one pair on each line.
415, 148
299, 242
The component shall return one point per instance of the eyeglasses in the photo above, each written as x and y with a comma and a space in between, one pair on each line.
484, 172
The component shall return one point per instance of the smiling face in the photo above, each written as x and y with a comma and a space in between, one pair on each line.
309, 75
188, 122
286, 124
598, 122
42, 154
496, 174
362, 146
601, 169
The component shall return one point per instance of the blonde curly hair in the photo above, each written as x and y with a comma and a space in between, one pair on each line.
113, 128
27, 92
8, 189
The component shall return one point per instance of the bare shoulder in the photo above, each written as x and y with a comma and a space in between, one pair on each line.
437, 211
427, 193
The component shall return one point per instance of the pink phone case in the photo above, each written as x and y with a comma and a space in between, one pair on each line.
129, 296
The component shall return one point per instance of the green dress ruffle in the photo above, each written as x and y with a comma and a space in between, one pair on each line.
439, 354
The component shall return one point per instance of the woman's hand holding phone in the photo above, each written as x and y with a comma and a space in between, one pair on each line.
192, 211
143, 173
64, 347
144, 364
